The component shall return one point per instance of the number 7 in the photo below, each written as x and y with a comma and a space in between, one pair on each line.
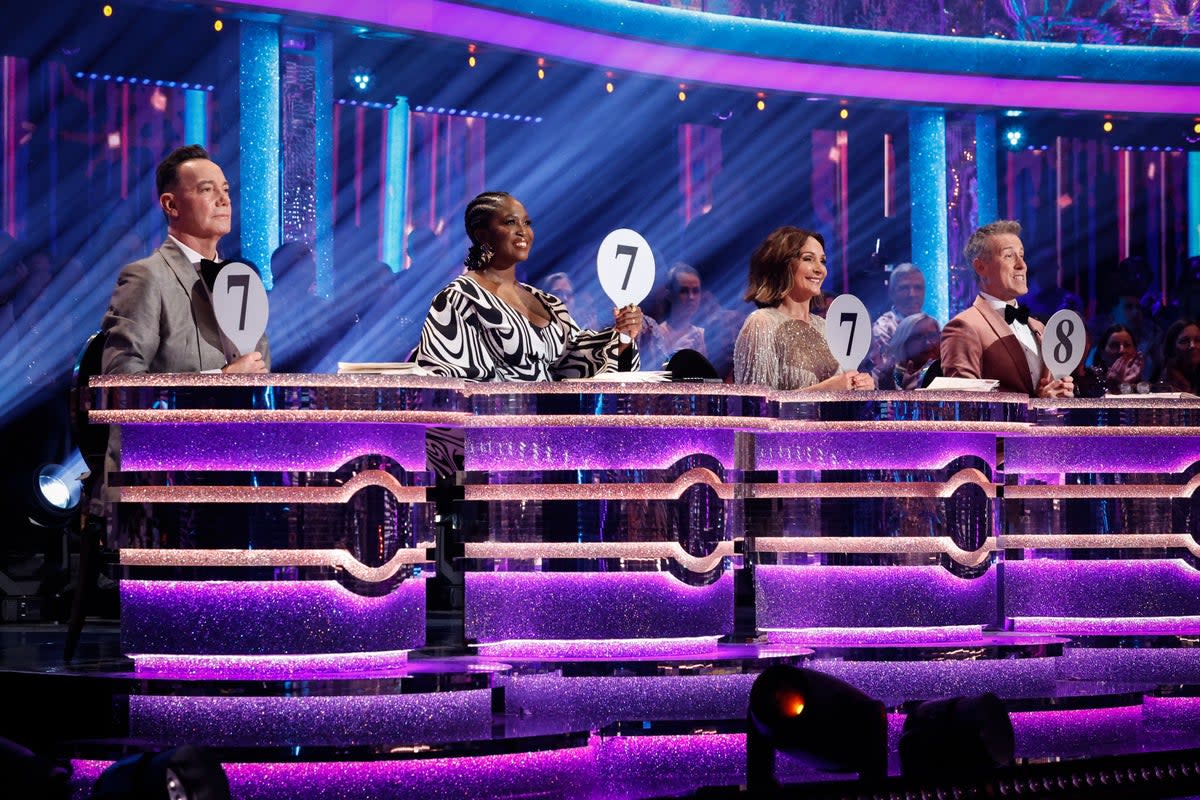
631, 251
852, 318
242, 282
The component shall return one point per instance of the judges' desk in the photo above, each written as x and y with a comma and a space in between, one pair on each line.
877, 511
603, 510
1102, 515
272, 515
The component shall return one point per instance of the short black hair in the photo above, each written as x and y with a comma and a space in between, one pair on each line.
168, 169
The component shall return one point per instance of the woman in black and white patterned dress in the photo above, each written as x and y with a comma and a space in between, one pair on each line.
487, 326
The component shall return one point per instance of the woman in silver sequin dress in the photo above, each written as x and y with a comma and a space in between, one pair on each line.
782, 345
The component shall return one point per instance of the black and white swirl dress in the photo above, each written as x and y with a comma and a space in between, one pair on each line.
474, 335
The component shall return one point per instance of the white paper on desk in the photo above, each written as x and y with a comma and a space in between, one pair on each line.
380, 368
649, 376
963, 384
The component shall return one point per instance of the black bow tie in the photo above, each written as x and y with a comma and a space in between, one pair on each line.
1016, 314
209, 270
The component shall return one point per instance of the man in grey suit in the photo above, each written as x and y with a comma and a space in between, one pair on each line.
160, 318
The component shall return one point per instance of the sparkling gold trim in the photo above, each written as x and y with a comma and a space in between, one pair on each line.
528, 551
274, 494
338, 559
616, 421
876, 544
1103, 492
879, 426
603, 491
902, 489
174, 415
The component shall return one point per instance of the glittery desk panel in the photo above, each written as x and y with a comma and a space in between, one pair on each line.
267, 618
594, 605
397, 719
818, 596
295, 446
1101, 454
592, 448
1101, 588
843, 450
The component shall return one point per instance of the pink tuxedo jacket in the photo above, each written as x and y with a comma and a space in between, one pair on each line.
979, 344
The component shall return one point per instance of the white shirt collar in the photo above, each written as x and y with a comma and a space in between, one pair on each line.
996, 302
188, 252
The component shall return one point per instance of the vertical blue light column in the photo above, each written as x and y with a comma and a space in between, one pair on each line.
987, 192
323, 176
1193, 193
195, 117
258, 187
927, 171
395, 198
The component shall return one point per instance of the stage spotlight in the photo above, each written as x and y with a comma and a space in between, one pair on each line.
471, 61
360, 78
1014, 138
107, 11
823, 721
185, 773
956, 737
844, 113
1108, 126
682, 92
218, 26
1196, 128
56, 490
761, 105
541, 72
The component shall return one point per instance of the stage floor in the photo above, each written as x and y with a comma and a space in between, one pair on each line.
590, 719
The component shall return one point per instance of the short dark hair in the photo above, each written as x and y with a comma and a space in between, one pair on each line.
978, 243
770, 265
168, 169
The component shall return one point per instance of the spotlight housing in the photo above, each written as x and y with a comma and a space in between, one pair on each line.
818, 719
957, 737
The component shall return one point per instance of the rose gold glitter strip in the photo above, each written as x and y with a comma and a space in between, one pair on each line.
291, 379
903, 489
603, 491
144, 415
1101, 492
878, 426
274, 494
528, 551
1105, 541
876, 544
616, 421
1104, 433
339, 559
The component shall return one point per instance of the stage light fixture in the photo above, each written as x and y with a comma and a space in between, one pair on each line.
218, 26
1014, 137
1012, 112
1108, 126
107, 10
957, 737
361, 78
1196, 128
816, 718
184, 773
844, 113
682, 92
761, 103
471, 61
541, 71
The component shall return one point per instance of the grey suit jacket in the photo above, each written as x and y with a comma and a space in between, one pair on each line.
978, 343
160, 319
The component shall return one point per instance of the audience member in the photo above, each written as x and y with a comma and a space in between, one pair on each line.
906, 290
914, 346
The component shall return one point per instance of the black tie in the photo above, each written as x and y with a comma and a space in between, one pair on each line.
208, 271
1016, 314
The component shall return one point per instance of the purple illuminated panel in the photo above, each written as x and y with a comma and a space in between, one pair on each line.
684, 63
1078, 733
301, 446
490, 449
1101, 588
1161, 665
591, 605
267, 618
895, 682
869, 450
697, 647
227, 667
1045, 454
868, 597
282, 721
589, 703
